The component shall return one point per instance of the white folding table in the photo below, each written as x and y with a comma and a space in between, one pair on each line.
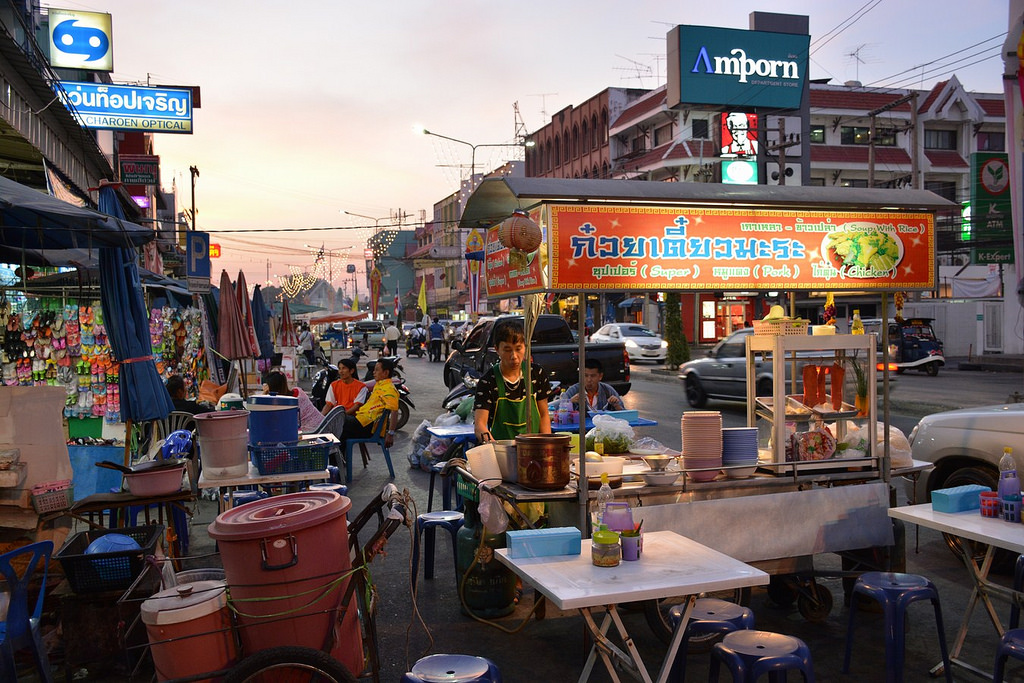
670, 565
972, 526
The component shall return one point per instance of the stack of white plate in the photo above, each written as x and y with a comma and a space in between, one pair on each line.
702, 444
739, 451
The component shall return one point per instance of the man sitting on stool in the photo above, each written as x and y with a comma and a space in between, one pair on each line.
600, 396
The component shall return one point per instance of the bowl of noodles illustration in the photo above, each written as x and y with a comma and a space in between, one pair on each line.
863, 249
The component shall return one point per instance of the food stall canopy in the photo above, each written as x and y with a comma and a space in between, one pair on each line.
622, 235
87, 277
32, 222
342, 317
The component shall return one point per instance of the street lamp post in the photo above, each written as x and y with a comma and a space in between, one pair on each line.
473, 148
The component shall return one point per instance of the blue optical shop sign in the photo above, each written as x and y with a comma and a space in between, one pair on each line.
80, 40
736, 69
129, 107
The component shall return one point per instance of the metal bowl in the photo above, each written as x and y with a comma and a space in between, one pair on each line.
658, 463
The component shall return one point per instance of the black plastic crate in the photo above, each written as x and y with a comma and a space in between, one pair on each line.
107, 571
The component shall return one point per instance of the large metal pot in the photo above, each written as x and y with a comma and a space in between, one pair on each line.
543, 461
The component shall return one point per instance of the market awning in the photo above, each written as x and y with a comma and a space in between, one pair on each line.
342, 317
496, 198
32, 221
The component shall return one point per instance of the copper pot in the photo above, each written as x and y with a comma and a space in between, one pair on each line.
543, 461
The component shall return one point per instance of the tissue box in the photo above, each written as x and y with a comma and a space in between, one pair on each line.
626, 415
958, 498
543, 542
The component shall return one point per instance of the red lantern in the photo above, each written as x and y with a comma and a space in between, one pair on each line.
519, 231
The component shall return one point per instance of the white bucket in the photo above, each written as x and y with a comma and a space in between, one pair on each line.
483, 464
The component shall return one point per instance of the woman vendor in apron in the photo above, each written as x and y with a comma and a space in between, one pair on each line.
502, 410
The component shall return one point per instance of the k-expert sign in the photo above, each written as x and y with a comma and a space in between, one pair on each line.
736, 69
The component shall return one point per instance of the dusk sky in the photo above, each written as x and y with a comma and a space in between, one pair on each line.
308, 108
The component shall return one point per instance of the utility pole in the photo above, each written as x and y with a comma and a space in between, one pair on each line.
781, 147
195, 174
912, 127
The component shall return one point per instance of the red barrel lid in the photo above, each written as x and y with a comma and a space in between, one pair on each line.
290, 512
184, 602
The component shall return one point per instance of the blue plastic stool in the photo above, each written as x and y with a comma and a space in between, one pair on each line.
453, 669
178, 516
709, 616
446, 487
340, 489
751, 654
895, 591
1011, 645
1018, 584
426, 524
334, 474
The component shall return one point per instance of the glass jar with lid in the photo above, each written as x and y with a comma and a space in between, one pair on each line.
605, 549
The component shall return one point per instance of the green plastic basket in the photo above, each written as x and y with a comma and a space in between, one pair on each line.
467, 489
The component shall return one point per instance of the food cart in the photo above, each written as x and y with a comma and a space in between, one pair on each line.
615, 236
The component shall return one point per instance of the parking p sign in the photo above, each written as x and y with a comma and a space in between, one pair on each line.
197, 262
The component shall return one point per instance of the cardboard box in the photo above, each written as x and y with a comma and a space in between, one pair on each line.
544, 542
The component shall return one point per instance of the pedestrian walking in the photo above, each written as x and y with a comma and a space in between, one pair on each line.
391, 335
436, 332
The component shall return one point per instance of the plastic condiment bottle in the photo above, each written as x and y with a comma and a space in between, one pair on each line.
604, 496
856, 327
1009, 484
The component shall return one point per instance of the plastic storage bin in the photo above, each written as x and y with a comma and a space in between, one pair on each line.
107, 571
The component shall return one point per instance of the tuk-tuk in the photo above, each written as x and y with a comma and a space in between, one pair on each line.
912, 344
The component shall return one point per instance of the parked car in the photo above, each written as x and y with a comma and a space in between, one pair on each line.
641, 343
367, 333
965, 445
912, 344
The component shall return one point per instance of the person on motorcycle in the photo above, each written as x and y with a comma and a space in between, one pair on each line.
502, 410
417, 338
345, 389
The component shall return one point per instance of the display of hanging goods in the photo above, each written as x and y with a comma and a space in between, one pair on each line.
519, 231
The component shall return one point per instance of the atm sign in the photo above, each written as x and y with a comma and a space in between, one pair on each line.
214, 250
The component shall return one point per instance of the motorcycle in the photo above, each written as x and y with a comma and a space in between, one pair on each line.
415, 347
323, 379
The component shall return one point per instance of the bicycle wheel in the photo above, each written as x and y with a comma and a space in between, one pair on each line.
289, 664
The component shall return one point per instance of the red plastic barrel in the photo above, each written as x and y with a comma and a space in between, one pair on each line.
286, 560
189, 628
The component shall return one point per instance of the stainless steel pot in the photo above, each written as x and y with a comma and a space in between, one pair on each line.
543, 461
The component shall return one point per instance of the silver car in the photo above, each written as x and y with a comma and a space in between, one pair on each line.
641, 343
723, 373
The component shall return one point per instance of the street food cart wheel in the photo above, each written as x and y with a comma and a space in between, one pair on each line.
656, 612
932, 369
814, 602
289, 663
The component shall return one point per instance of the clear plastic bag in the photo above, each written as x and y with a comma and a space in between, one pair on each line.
492, 513
616, 435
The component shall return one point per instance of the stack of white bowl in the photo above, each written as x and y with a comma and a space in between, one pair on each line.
702, 444
739, 451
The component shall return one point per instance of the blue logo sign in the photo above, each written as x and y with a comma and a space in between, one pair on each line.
80, 40
128, 107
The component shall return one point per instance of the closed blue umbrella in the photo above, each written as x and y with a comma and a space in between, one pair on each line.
261, 321
143, 395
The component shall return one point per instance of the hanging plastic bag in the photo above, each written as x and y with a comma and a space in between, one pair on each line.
492, 513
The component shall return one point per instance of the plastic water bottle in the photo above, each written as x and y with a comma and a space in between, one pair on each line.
1009, 484
604, 496
562, 414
